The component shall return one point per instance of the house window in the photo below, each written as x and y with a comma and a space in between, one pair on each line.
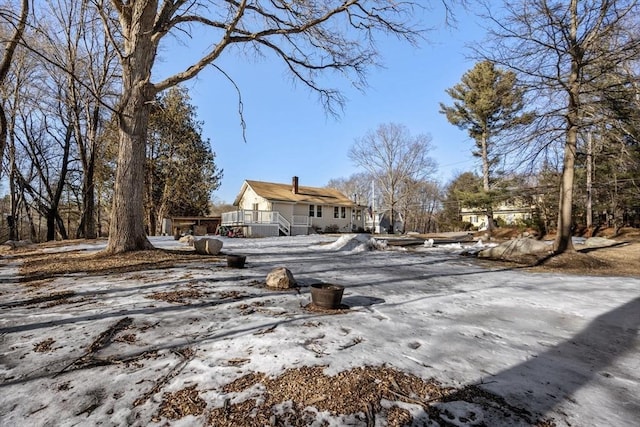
312, 210
358, 215
473, 219
335, 212
319, 211
343, 212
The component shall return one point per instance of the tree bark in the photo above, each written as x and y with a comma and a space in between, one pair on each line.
563, 242
126, 229
5, 64
485, 179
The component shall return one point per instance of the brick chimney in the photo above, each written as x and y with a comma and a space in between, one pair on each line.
294, 185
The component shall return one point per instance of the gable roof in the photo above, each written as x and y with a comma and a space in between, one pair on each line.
283, 193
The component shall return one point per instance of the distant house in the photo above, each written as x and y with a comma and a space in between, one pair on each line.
511, 211
380, 222
270, 209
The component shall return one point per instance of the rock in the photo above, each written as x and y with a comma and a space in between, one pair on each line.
207, 246
516, 248
188, 239
280, 278
599, 242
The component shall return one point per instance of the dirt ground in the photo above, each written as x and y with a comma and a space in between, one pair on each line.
622, 259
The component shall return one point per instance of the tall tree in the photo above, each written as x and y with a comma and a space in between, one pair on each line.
487, 103
82, 50
311, 38
394, 158
18, 22
565, 51
181, 172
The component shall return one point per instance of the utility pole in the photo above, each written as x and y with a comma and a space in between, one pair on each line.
589, 183
373, 205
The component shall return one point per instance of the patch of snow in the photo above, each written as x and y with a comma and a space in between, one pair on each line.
560, 346
355, 243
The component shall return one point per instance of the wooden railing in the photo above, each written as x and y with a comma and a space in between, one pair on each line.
251, 217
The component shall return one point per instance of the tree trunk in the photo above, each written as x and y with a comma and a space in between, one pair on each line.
485, 180
87, 150
563, 242
589, 172
5, 63
126, 229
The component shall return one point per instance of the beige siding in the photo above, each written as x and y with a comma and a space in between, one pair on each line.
328, 219
249, 198
285, 209
297, 211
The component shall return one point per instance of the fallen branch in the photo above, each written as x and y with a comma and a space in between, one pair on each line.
187, 355
103, 340
267, 330
352, 343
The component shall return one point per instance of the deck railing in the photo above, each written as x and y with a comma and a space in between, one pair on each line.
250, 217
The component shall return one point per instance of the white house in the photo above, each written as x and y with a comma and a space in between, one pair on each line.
270, 209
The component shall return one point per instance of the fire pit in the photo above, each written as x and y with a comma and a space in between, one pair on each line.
236, 261
326, 295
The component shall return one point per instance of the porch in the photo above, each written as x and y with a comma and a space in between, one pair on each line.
259, 223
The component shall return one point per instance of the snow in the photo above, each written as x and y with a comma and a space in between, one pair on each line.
561, 346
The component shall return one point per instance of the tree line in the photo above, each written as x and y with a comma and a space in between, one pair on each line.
554, 97
553, 107
60, 130
106, 65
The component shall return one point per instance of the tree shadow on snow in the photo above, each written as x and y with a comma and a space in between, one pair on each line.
547, 380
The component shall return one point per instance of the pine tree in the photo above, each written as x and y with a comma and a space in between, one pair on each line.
180, 172
487, 102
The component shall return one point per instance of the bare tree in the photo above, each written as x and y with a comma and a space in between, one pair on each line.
311, 38
418, 204
18, 21
564, 50
394, 158
82, 51
357, 187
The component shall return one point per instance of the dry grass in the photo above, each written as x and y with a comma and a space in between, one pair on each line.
357, 391
181, 403
622, 260
38, 265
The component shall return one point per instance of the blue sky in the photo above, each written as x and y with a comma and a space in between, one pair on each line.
289, 133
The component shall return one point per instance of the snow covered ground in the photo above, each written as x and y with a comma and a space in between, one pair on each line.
562, 347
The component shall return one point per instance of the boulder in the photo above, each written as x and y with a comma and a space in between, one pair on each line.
280, 278
599, 242
207, 246
516, 249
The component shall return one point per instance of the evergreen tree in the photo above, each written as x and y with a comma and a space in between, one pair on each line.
487, 102
181, 172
